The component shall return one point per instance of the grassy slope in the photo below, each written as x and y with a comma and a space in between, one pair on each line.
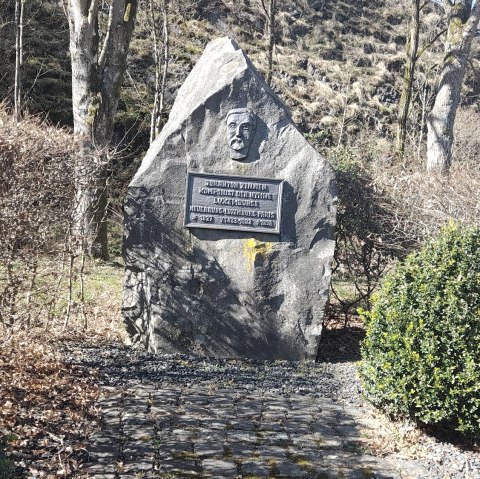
334, 60
332, 57
329, 54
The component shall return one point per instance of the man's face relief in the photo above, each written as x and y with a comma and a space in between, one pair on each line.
240, 131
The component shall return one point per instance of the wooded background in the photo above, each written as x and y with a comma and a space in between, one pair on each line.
386, 90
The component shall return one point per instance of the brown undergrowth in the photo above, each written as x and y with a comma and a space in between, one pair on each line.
49, 293
47, 406
388, 208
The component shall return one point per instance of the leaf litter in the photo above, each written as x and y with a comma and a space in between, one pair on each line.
47, 409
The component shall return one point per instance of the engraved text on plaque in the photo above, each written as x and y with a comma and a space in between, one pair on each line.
233, 203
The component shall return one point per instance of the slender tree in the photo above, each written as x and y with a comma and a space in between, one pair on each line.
413, 55
270, 10
19, 8
462, 22
157, 61
166, 59
161, 57
409, 75
98, 66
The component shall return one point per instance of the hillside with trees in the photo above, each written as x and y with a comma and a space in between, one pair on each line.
331, 60
387, 91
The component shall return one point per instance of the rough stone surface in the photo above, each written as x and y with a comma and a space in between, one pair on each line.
228, 293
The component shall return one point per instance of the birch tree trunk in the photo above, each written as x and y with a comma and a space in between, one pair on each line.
463, 19
98, 67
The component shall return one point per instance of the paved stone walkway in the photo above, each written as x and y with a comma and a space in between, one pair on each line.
190, 428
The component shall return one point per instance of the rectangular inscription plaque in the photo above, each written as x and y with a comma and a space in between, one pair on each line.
233, 203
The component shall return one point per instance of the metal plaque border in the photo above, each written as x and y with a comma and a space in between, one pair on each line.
275, 231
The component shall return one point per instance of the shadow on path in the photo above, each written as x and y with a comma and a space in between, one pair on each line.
182, 416
340, 345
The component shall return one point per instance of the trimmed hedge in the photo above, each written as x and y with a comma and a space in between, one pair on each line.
421, 353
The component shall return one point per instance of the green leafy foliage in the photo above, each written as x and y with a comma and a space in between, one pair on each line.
421, 354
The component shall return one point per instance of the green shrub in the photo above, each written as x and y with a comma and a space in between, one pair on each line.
421, 354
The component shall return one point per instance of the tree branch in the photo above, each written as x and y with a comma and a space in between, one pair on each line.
106, 40
92, 13
265, 9
473, 19
431, 42
425, 3
475, 72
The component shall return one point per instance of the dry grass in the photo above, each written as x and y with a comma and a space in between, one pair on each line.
384, 437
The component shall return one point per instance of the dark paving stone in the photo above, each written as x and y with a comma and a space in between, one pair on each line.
209, 449
252, 468
290, 470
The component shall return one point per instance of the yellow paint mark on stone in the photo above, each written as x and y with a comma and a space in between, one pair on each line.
253, 248
126, 15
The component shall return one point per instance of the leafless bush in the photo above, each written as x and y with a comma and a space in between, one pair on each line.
386, 210
35, 210
369, 235
42, 291
424, 202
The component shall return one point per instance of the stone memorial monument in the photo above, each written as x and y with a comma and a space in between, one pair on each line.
229, 223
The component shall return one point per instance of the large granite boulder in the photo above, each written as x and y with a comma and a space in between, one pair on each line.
229, 292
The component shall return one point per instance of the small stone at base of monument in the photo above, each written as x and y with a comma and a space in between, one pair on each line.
229, 223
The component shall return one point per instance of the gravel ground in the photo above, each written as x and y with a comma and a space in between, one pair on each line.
120, 365
331, 383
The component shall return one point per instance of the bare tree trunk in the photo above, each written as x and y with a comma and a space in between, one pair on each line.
424, 102
157, 60
166, 59
270, 12
68, 310
161, 56
19, 8
409, 76
463, 21
81, 278
97, 74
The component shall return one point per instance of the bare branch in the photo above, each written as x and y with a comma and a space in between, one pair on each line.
424, 4
431, 42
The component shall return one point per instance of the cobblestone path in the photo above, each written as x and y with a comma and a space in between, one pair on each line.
175, 417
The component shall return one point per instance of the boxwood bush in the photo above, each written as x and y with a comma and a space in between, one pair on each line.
421, 353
